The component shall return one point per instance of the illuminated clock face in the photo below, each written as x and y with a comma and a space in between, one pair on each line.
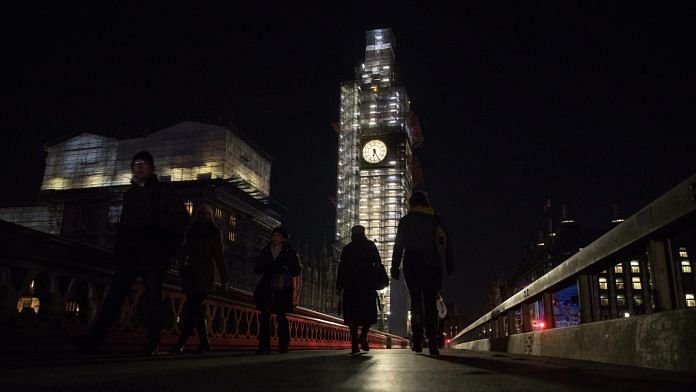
374, 151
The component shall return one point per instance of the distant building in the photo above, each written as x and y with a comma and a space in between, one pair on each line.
377, 135
87, 174
623, 290
551, 247
496, 293
453, 322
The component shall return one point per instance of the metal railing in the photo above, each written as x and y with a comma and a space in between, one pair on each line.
52, 288
647, 238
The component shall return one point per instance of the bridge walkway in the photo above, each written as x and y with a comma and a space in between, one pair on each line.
329, 370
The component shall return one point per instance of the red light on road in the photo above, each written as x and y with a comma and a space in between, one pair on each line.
542, 325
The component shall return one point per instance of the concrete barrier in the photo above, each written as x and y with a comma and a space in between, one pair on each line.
664, 340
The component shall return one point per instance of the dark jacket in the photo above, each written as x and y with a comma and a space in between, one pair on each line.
274, 291
202, 253
152, 227
356, 277
416, 241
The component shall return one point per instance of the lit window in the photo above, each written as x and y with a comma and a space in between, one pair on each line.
29, 303
189, 207
635, 267
690, 301
620, 300
686, 266
618, 268
636, 283
638, 300
231, 235
602, 283
619, 283
72, 308
604, 300
115, 214
218, 213
683, 253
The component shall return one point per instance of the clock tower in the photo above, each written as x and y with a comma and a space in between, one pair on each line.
375, 163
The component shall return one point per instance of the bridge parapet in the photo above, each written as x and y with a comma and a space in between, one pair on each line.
52, 288
629, 280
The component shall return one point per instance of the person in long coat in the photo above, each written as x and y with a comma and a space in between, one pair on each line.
202, 254
278, 263
150, 233
356, 280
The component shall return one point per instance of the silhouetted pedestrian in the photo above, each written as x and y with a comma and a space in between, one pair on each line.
150, 232
202, 253
278, 263
356, 280
423, 243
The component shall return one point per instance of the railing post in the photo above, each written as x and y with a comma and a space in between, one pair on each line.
512, 323
662, 276
585, 297
548, 311
526, 320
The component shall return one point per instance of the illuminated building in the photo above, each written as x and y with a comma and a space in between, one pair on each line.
86, 176
375, 177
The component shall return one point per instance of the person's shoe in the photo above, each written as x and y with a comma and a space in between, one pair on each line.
354, 349
150, 349
417, 347
433, 350
283, 350
262, 351
177, 349
364, 346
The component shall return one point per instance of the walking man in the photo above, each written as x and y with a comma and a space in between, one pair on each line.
423, 244
151, 231
278, 263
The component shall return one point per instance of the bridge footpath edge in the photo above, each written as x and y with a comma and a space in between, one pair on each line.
660, 341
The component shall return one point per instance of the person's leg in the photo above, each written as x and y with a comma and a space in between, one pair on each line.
283, 332
201, 324
152, 280
363, 337
416, 294
264, 332
111, 307
430, 318
190, 319
353, 328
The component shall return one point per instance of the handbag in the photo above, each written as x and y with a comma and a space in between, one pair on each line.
381, 277
441, 307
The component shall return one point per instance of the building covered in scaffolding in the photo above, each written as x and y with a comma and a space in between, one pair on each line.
86, 176
377, 134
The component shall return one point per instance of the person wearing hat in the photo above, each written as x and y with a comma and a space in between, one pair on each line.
423, 244
150, 232
278, 263
355, 281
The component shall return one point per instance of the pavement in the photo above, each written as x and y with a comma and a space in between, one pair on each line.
327, 370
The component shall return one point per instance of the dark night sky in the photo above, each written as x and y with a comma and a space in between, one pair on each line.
585, 104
